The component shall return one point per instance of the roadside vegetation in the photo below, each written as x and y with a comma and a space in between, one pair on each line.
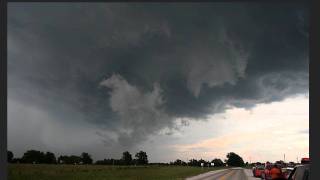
37, 165
102, 172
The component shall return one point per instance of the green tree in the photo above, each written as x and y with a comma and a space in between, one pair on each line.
9, 156
202, 161
141, 158
63, 159
193, 162
69, 159
126, 158
234, 159
16, 160
217, 162
86, 158
50, 158
33, 156
176, 162
179, 163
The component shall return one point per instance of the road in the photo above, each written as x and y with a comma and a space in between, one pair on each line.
226, 174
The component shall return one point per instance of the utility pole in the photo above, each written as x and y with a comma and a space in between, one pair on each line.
284, 157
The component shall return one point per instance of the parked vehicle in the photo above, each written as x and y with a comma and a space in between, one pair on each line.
300, 172
286, 171
305, 161
253, 168
269, 172
265, 174
258, 170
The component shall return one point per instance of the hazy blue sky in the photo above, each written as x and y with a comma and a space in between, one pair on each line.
177, 80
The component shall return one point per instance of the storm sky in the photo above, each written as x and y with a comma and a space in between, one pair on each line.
170, 79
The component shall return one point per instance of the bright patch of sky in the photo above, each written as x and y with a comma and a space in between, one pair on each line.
263, 133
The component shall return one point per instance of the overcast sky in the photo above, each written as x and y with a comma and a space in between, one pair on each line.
176, 80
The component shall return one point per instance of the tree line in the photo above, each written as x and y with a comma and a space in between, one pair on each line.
194, 162
233, 159
141, 158
38, 157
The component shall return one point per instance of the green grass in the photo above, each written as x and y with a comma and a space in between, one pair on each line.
98, 172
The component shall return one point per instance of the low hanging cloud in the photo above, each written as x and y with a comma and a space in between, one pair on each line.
222, 62
135, 70
140, 114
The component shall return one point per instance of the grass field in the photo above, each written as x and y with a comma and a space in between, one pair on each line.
97, 172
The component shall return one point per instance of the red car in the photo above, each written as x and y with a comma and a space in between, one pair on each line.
265, 174
258, 170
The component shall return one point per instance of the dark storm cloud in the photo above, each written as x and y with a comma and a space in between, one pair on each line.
133, 69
